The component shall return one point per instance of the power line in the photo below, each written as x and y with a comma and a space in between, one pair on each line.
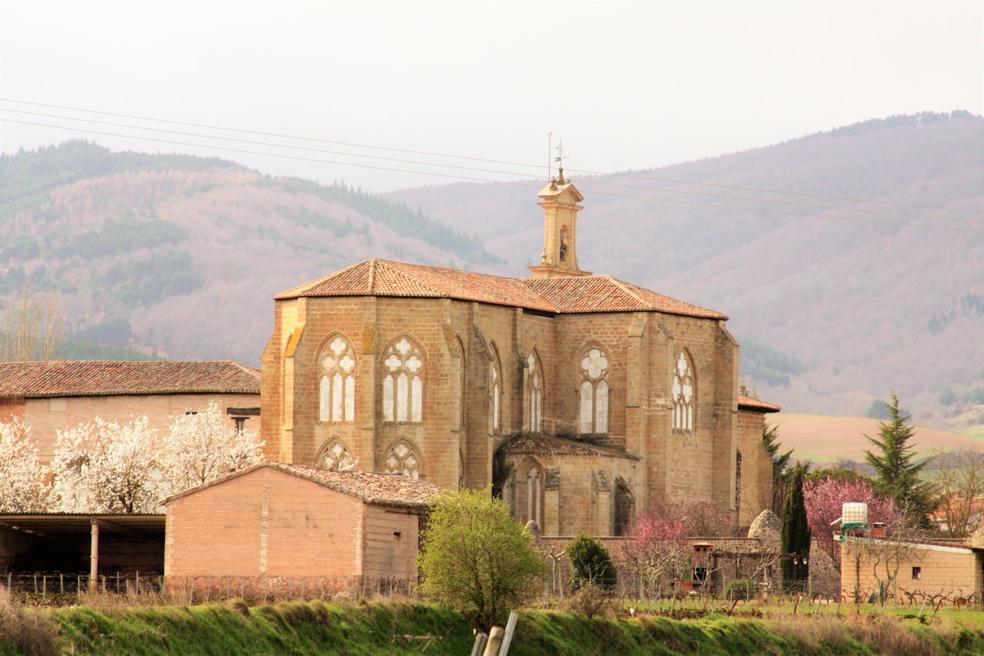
254, 142
759, 190
525, 184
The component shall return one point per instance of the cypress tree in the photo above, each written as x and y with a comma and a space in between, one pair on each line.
795, 532
896, 469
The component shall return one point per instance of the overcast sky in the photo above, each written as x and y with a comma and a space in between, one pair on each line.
625, 85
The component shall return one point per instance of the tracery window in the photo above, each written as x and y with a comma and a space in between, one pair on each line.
594, 392
495, 392
684, 400
533, 419
403, 458
336, 391
403, 386
335, 456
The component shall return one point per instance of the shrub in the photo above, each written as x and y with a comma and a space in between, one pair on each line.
591, 600
28, 633
476, 559
741, 589
590, 563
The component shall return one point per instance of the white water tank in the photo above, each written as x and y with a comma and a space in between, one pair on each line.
854, 515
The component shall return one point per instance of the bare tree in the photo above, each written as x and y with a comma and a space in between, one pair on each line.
32, 327
959, 479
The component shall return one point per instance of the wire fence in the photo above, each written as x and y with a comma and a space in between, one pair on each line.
60, 588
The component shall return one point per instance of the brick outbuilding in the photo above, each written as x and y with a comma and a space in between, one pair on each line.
280, 520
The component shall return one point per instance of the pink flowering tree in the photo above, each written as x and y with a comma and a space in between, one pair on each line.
657, 550
23, 480
824, 499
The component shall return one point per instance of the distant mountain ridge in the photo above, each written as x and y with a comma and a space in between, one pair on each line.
180, 255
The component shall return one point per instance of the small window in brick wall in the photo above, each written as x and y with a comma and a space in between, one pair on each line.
916, 573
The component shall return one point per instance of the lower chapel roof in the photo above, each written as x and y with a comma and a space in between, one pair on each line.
559, 295
550, 445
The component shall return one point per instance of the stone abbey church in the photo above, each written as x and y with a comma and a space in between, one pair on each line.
582, 399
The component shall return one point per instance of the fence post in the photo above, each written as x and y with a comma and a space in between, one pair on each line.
35, 582
479, 645
510, 629
495, 640
44, 587
61, 583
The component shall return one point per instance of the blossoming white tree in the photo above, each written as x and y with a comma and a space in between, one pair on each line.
130, 467
23, 480
106, 466
202, 447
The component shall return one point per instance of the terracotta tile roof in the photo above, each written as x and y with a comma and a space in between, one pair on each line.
565, 295
115, 378
748, 403
576, 294
369, 487
549, 445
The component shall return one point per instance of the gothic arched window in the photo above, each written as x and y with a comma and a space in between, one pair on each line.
403, 458
684, 393
403, 387
594, 392
336, 391
624, 505
335, 456
534, 495
495, 392
533, 413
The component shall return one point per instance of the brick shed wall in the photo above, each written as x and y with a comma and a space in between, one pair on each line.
388, 555
949, 571
265, 522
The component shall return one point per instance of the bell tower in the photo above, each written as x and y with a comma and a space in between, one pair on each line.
559, 201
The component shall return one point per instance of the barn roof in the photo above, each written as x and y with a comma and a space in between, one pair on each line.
116, 378
369, 487
560, 295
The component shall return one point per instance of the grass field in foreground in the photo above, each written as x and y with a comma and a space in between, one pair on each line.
299, 628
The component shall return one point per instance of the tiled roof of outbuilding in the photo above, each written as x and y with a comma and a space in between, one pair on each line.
115, 378
748, 403
370, 487
550, 445
563, 295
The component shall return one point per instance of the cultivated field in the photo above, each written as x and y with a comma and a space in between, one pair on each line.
821, 438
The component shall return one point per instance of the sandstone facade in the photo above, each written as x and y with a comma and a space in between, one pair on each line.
632, 397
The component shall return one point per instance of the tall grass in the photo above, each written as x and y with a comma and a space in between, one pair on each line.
23, 631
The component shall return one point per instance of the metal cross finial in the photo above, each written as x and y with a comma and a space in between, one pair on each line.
560, 162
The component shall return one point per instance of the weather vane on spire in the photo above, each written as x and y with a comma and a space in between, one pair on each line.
560, 162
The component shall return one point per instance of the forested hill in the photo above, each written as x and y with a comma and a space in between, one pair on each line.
832, 308
180, 255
